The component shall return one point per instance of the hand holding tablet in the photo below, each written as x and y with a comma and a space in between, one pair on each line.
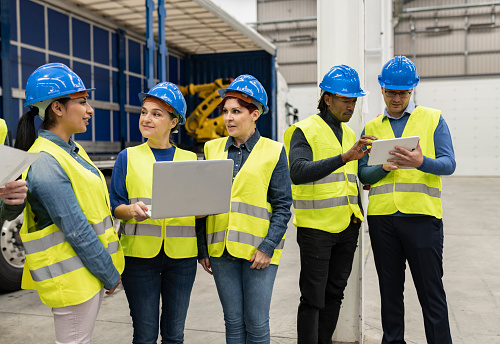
409, 154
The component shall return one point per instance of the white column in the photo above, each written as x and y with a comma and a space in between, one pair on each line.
341, 41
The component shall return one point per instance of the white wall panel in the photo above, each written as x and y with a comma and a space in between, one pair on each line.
471, 108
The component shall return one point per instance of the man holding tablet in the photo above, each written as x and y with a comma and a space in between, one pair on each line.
404, 210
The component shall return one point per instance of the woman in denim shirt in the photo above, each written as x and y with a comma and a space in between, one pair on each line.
245, 245
94, 256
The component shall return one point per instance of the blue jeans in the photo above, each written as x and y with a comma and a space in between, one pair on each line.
245, 295
145, 280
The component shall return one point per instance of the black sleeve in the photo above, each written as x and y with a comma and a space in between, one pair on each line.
302, 167
201, 236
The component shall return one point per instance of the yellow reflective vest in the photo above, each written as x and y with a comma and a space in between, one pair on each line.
409, 191
243, 229
52, 266
326, 204
144, 239
3, 131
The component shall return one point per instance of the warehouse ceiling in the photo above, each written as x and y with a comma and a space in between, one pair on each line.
191, 26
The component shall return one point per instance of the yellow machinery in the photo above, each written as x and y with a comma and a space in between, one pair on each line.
198, 124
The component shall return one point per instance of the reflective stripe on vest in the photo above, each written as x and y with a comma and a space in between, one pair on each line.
252, 210
145, 239
52, 266
332, 178
405, 187
244, 228
326, 204
409, 191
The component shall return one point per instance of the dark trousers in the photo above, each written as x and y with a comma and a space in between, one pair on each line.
325, 265
418, 240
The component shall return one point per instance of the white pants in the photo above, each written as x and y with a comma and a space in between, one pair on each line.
75, 324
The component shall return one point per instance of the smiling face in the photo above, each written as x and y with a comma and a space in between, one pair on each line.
73, 116
341, 107
156, 124
240, 121
396, 101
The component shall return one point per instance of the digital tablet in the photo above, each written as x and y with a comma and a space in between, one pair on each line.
379, 153
188, 188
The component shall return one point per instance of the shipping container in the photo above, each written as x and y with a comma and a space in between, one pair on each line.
116, 49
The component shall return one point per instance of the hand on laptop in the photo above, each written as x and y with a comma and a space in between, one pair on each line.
138, 211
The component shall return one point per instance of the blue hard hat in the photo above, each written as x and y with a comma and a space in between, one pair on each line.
52, 81
399, 74
170, 94
249, 85
342, 80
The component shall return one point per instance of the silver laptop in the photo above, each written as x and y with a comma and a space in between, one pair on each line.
190, 188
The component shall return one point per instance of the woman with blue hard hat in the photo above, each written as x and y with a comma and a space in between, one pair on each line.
72, 249
323, 154
159, 264
245, 245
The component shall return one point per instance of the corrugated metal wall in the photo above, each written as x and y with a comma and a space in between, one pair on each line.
450, 42
295, 41
42, 34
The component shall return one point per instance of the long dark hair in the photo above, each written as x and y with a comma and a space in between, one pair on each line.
322, 107
26, 131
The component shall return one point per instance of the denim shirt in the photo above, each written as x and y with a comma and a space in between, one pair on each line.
279, 194
53, 201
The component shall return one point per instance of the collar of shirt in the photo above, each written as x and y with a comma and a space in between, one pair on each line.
251, 142
330, 119
68, 147
409, 109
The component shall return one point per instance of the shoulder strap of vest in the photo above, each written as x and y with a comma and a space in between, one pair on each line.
3, 131
426, 110
182, 154
212, 147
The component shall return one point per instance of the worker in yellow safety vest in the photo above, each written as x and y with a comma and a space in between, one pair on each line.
72, 249
245, 245
323, 154
13, 194
160, 254
404, 209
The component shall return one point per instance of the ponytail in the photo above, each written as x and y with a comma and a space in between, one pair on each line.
26, 134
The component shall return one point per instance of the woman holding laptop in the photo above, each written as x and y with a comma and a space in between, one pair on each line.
245, 245
160, 255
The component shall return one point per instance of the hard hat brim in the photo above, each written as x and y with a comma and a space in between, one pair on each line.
181, 118
59, 96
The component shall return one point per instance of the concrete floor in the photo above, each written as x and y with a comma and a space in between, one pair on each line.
472, 283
